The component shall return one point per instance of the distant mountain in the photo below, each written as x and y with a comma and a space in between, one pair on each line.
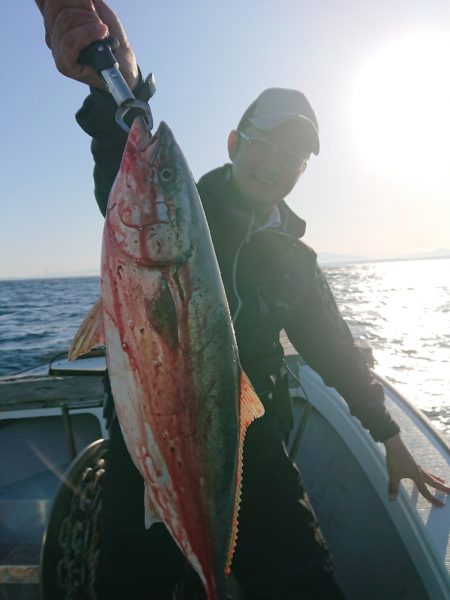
440, 253
328, 258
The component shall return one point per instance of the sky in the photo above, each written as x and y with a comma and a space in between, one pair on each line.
376, 73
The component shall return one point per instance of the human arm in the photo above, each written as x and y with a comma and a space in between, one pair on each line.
72, 26
317, 330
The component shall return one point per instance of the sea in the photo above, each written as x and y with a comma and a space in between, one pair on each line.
401, 308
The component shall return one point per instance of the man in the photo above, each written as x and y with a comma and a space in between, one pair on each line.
272, 282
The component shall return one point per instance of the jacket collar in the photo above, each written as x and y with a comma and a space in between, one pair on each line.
281, 219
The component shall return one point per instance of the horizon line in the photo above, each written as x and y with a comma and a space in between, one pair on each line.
333, 260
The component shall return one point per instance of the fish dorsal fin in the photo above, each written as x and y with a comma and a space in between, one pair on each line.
251, 408
90, 333
151, 512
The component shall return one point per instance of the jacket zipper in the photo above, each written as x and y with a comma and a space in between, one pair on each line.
235, 262
245, 240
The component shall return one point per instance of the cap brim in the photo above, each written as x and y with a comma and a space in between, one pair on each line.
269, 121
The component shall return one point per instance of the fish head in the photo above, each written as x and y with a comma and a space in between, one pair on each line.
153, 208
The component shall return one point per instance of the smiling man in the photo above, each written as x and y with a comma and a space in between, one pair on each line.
272, 144
273, 283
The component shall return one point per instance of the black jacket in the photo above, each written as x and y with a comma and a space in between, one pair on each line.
271, 278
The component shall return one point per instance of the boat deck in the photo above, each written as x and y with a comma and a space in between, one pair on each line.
44, 422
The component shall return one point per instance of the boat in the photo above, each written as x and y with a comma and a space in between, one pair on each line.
53, 449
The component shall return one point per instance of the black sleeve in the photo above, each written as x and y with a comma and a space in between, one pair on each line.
97, 118
319, 333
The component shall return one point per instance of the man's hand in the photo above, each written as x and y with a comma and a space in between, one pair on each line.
71, 25
401, 465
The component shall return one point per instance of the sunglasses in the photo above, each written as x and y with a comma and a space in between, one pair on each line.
263, 149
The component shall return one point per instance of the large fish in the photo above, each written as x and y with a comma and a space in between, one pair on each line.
181, 397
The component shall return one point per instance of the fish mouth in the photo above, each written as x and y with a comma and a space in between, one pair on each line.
163, 131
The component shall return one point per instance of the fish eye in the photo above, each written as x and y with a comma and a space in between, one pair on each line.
166, 175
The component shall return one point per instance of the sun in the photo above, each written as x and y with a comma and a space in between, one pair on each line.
400, 109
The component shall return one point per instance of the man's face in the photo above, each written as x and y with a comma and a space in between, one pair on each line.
267, 164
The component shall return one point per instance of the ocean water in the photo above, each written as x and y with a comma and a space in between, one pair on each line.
401, 308
39, 317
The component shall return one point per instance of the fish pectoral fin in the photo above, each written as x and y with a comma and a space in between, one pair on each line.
251, 408
151, 513
90, 333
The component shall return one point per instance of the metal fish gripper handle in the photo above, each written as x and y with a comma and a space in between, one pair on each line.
100, 56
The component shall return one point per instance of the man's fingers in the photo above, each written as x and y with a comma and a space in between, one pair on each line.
50, 9
401, 465
124, 54
427, 494
40, 5
393, 489
73, 29
110, 18
81, 25
424, 477
435, 476
437, 482
420, 480
67, 60
72, 25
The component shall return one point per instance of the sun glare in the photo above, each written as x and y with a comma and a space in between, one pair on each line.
401, 108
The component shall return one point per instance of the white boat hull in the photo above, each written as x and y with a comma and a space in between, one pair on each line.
382, 549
